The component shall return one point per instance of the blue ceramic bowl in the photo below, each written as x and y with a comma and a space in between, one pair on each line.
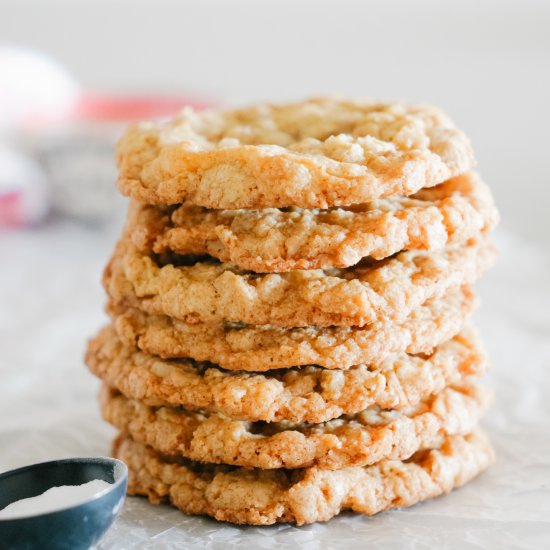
73, 528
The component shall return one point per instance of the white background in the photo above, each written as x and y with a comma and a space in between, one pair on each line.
486, 63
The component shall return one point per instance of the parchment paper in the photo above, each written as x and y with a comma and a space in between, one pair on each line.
51, 302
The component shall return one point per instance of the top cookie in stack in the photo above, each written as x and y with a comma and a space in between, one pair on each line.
317, 154
284, 265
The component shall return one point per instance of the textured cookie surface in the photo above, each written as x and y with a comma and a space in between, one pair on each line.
262, 348
274, 240
216, 293
309, 394
359, 439
315, 154
264, 497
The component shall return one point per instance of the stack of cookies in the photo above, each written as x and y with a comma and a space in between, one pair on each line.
290, 302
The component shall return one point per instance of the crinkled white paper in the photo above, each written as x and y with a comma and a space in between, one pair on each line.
51, 302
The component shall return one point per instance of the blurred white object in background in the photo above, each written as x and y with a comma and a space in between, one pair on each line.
34, 89
24, 193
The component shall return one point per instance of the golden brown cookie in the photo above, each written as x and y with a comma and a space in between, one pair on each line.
314, 154
358, 296
264, 497
262, 348
274, 240
308, 394
359, 439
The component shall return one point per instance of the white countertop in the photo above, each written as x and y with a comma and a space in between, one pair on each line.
51, 302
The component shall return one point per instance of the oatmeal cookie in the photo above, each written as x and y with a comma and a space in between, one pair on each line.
315, 154
216, 293
308, 394
264, 497
359, 439
262, 348
274, 240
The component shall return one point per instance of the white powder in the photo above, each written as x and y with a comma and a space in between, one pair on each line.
54, 499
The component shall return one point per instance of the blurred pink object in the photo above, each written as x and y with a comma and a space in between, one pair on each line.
129, 108
35, 91
59, 141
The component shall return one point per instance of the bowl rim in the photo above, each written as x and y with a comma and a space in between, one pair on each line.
116, 463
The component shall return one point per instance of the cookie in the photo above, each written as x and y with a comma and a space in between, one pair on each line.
358, 296
274, 240
315, 154
264, 497
359, 439
262, 348
309, 394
